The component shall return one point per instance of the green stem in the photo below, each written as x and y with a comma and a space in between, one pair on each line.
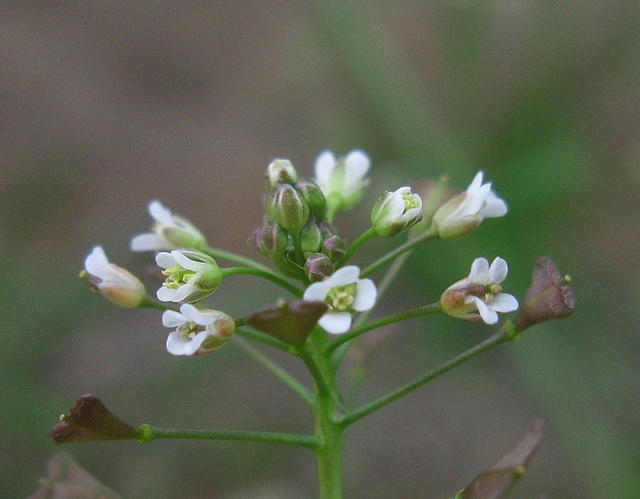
365, 236
254, 268
330, 439
147, 433
409, 245
275, 369
383, 321
329, 433
494, 340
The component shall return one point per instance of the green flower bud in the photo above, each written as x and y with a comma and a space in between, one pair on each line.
310, 239
314, 197
395, 212
287, 207
280, 171
270, 239
318, 266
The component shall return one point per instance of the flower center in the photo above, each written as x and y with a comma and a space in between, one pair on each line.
341, 297
188, 330
410, 201
177, 276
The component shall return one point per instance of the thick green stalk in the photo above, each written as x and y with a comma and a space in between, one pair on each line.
329, 433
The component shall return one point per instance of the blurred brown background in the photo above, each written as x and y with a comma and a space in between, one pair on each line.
106, 105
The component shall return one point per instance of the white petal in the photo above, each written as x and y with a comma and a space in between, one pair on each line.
160, 213
357, 165
183, 292
493, 207
96, 261
498, 270
504, 302
475, 183
317, 291
165, 260
345, 275
488, 315
149, 242
171, 318
395, 207
325, 163
186, 262
166, 294
191, 313
366, 295
479, 267
335, 322
475, 203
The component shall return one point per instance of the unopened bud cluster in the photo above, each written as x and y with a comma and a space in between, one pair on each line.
296, 234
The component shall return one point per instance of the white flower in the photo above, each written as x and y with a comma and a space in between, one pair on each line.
169, 231
191, 275
115, 283
342, 180
344, 293
395, 212
479, 296
464, 212
197, 331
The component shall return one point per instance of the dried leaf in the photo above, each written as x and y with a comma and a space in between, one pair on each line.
89, 419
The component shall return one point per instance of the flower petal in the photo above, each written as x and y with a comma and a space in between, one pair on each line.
149, 242
335, 322
171, 318
165, 260
96, 261
488, 315
317, 291
366, 295
345, 275
504, 302
498, 270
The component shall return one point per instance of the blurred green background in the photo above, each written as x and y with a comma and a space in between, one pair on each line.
106, 105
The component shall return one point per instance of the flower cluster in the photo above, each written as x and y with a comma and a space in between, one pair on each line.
298, 236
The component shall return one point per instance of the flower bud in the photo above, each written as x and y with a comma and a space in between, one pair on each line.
318, 266
288, 208
334, 247
270, 239
115, 283
310, 239
280, 171
312, 194
549, 296
395, 212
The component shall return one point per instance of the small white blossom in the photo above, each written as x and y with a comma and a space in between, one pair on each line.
169, 231
196, 331
115, 283
464, 212
342, 180
395, 212
344, 293
479, 296
191, 275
